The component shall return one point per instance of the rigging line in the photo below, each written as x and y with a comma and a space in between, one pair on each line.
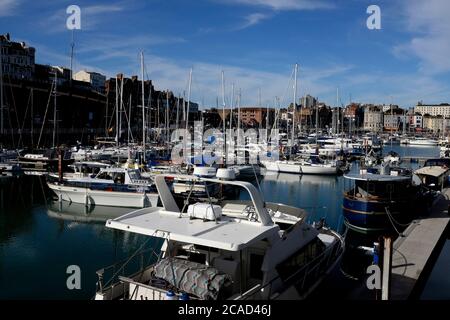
128, 121
24, 118
45, 115
14, 105
11, 126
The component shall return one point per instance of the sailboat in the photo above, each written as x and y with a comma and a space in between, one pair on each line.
313, 165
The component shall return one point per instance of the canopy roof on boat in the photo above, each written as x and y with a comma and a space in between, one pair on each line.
434, 171
169, 222
376, 177
227, 233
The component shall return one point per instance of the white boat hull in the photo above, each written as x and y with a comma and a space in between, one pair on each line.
292, 167
104, 198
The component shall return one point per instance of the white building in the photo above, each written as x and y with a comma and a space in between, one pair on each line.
96, 80
416, 121
433, 109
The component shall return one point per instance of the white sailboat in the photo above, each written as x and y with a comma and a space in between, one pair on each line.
311, 166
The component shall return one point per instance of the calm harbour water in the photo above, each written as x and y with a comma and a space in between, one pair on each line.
39, 238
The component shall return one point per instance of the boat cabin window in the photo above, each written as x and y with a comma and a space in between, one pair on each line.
256, 261
119, 177
104, 175
292, 265
134, 174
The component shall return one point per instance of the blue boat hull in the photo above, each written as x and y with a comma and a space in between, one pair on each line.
371, 215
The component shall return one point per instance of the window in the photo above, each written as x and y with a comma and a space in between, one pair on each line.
256, 261
295, 262
104, 176
119, 177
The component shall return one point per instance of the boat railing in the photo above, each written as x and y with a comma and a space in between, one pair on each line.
143, 291
109, 277
301, 278
351, 196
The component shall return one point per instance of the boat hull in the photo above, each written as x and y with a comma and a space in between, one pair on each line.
104, 198
287, 167
372, 216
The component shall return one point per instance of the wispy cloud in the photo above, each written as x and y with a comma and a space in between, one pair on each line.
428, 22
281, 5
253, 19
8, 7
111, 55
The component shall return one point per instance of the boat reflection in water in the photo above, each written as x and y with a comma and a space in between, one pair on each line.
316, 194
77, 212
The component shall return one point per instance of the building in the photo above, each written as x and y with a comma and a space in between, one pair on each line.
17, 59
354, 116
442, 109
434, 124
96, 79
373, 118
394, 119
416, 121
254, 116
308, 101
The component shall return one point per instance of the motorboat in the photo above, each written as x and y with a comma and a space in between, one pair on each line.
419, 141
117, 187
380, 201
312, 166
243, 250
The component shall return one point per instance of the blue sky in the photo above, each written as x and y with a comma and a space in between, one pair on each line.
255, 42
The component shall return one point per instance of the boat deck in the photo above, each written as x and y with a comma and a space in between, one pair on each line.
227, 233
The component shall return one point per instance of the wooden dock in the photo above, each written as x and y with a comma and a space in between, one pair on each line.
414, 255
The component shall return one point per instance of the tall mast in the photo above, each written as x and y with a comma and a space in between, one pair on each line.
117, 111
337, 111
187, 112
167, 117
54, 109
224, 118
239, 110
1, 90
32, 118
178, 111
121, 107
232, 105
129, 118
294, 105
317, 122
143, 106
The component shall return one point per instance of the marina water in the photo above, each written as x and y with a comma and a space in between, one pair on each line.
40, 238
